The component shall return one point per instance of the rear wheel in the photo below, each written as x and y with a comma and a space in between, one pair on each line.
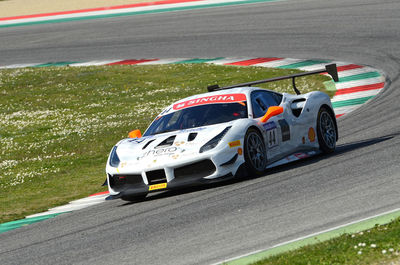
255, 153
326, 130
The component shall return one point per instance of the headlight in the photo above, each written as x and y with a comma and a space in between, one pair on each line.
114, 159
214, 141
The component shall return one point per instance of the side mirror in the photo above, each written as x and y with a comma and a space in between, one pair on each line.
272, 111
135, 134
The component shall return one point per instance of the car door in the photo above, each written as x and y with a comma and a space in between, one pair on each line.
277, 128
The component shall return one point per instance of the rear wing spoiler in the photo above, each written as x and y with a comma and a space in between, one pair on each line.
331, 69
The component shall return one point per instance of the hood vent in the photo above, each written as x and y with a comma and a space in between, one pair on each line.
147, 144
167, 142
191, 136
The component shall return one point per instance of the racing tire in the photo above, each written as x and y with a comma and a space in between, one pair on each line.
255, 152
134, 198
326, 131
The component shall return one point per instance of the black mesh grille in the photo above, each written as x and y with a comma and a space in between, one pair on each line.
156, 176
199, 169
120, 180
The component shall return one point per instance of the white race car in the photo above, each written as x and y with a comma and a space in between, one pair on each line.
209, 137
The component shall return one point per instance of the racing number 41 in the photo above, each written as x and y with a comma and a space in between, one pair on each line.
272, 134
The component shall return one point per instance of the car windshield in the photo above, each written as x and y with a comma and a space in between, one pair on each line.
198, 116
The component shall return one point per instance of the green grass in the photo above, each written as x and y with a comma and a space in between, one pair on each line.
379, 245
58, 124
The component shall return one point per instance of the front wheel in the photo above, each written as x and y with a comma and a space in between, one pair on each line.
326, 131
255, 153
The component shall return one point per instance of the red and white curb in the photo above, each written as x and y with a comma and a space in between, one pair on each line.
357, 85
121, 10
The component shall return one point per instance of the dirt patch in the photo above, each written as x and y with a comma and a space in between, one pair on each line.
10, 8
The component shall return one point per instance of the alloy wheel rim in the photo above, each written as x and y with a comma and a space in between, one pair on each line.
256, 151
328, 130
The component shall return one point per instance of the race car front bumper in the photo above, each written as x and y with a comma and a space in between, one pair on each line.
192, 174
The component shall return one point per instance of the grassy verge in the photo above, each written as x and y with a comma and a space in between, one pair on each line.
58, 124
379, 245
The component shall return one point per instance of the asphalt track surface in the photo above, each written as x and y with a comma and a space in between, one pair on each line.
203, 226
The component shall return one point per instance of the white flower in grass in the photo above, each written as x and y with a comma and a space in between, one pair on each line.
391, 249
384, 251
353, 236
363, 244
8, 164
359, 252
373, 245
355, 247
